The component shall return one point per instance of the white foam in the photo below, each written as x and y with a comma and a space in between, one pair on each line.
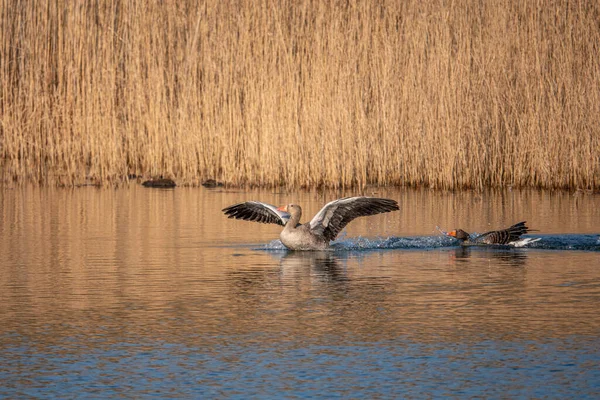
524, 242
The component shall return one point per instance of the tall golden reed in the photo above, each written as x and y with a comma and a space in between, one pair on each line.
304, 93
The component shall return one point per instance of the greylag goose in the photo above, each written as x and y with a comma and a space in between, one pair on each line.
323, 228
508, 236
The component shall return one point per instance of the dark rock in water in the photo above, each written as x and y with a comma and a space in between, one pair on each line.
211, 183
160, 183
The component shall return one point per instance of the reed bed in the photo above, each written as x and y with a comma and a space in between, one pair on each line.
301, 93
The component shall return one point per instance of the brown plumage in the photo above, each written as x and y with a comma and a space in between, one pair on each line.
504, 236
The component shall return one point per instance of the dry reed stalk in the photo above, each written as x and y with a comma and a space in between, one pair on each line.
302, 93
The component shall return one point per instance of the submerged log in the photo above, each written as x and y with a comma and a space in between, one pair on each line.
211, 183
160, 183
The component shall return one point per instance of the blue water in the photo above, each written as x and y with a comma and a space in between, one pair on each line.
398, 368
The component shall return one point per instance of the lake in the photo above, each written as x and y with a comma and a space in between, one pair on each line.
136, 292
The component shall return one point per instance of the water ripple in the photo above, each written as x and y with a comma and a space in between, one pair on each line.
546, 242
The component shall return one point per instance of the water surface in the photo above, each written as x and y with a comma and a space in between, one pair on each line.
137, 292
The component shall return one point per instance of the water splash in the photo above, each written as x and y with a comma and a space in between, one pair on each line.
363, 243
567, 242
273, 245
547, 242
394, 242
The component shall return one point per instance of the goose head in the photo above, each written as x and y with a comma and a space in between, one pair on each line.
293, 209
459, 234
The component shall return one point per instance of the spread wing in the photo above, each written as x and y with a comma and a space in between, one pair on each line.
335, 215
257, 211
504, 236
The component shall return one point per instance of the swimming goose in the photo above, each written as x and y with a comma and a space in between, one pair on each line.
323, 228
510, 236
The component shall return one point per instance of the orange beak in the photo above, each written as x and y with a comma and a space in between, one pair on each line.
453, 233
282, 208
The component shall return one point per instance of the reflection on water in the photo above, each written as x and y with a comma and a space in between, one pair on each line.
324, 264
499, 257
137, 292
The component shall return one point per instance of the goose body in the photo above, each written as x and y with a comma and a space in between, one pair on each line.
509, 236
322, 229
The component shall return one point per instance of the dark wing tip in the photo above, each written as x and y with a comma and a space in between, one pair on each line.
232, 208
383, 205
253, 211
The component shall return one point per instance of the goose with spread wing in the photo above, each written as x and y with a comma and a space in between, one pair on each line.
323, 228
